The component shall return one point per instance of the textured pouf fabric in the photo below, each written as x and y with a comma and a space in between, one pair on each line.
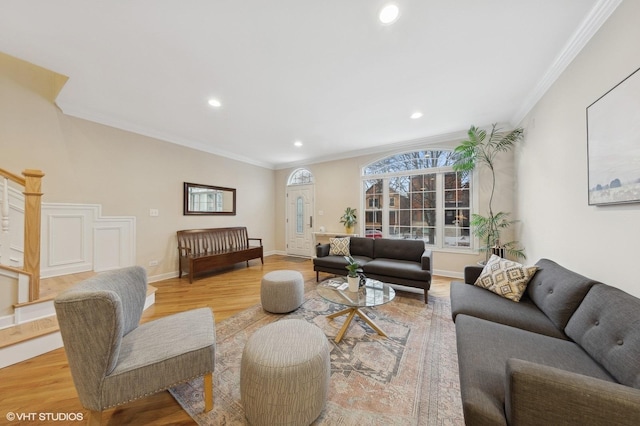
284, 374
282, 291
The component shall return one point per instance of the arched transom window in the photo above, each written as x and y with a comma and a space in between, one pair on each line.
300, 177
417, 195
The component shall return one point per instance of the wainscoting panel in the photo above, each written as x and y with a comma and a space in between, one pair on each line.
74, 237
64, 231
77, 238
114, 243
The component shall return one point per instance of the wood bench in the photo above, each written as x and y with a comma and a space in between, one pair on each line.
202, 250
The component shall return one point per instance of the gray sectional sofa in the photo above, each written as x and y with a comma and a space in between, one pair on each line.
567, 354
395, 261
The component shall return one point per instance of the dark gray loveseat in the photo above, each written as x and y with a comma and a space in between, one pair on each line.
567, 354
395, 261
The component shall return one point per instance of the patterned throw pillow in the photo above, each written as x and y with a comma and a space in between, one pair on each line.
339, 246
505, 278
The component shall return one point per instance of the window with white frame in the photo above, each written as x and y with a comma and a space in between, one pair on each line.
417, 195
205, 200
300, 177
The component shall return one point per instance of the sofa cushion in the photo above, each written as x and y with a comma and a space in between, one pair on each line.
607, 326
398, 249
339, 247
477, 302
505, 278
557, 291
483, 350
396, 268
361, 247
338, 262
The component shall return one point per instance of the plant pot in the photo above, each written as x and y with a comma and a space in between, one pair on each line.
354, 283
348, 229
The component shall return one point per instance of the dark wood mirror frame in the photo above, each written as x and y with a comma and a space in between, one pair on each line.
208, 200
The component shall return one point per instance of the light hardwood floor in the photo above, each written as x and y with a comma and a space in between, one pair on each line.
43, 384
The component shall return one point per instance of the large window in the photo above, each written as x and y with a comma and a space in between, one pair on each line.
417, 195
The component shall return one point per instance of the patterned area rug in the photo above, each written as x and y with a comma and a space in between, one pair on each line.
409, 378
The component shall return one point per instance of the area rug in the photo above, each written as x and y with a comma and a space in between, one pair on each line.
408, 378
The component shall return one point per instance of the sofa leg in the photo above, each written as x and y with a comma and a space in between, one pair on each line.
317, 276
426, 296
208, 392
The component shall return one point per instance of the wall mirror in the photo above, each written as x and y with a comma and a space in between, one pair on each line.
208, 200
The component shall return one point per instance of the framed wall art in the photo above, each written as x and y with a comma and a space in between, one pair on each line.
613, 144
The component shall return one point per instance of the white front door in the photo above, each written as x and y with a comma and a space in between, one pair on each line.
300, 220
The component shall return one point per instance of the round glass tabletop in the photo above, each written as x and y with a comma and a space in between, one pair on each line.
373, 293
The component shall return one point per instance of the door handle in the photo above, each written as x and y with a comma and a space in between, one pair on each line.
310, 221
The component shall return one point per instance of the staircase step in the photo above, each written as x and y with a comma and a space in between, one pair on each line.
28, 330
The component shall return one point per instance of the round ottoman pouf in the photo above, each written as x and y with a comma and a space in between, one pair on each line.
284, 374
282, 291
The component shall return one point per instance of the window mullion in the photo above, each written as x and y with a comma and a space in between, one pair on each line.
439, 210
385, 207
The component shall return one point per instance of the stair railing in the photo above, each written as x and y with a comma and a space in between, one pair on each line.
32, 183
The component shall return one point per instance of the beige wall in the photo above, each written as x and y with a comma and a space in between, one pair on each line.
599, 242
126, 173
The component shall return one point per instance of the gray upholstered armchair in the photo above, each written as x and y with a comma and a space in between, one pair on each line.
114, 359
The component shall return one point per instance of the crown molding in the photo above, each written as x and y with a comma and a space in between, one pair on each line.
86, 114
379, 149
598, 15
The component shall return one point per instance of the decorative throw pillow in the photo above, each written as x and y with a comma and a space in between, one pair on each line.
339, 246
505, 278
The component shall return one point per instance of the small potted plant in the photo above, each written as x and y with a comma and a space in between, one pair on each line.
349, 219
352, 277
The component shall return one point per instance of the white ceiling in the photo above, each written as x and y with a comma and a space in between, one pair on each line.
326, 73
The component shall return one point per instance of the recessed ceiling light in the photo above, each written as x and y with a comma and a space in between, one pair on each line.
416, 115
389, 14
215, 103
298, 143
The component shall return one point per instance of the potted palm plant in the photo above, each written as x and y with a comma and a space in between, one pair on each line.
349, 219
481, 149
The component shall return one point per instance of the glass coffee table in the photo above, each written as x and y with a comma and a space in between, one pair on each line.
373, 293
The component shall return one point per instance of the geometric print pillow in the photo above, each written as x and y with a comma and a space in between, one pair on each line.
339, 246
505, 278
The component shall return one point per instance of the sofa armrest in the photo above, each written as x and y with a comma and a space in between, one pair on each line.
536, 394
471, 273
322, 250
427, 261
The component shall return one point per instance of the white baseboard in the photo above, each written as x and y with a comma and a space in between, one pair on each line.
448, 274
162, 277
